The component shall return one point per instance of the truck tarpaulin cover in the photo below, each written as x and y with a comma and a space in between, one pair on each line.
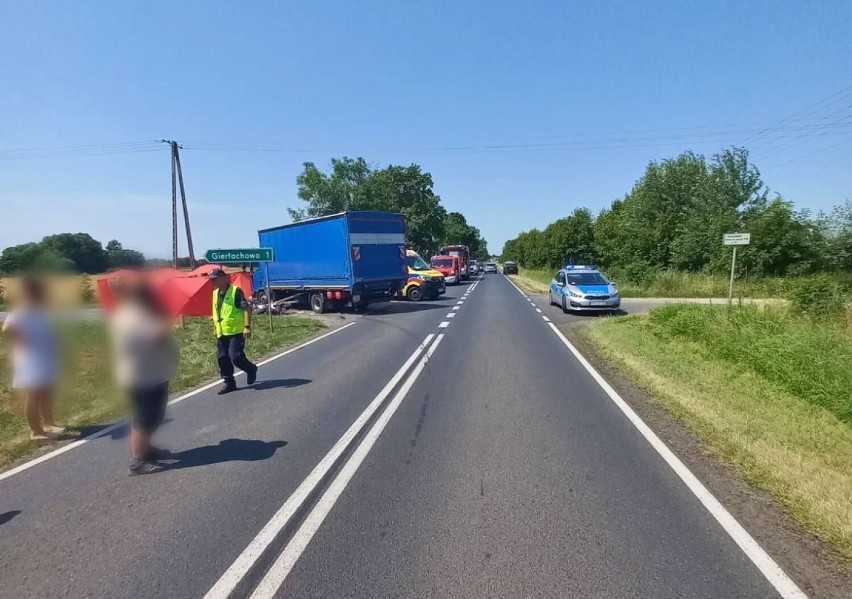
182, 292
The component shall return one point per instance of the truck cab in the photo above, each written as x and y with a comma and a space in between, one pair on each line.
462, 252
423, 280
448, 266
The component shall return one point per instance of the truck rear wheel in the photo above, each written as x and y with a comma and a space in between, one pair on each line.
318, 303
414, 294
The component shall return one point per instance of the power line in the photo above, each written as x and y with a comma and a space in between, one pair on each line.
809, 109
827, 129
79, 151
810, 154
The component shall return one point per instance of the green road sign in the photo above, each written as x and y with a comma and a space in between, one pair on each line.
240, 255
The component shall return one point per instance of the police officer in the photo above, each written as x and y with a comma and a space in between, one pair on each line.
232, 323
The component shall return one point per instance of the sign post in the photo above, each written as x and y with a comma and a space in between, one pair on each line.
734, 239
242, 256
268, 294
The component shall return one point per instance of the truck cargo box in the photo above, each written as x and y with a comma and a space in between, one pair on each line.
349, 259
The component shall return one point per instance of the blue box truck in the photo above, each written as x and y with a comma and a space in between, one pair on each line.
345, 260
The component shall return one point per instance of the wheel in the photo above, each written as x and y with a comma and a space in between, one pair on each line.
318, 303
261, 297
550, 297
414, 294
564, 305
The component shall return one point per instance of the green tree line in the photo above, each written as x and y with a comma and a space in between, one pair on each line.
353, 184
68, 252
674, 218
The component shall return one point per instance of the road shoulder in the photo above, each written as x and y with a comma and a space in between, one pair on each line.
821, 571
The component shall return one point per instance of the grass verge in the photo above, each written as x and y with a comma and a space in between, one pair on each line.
88, 396
674, 284
782, 437
531, 281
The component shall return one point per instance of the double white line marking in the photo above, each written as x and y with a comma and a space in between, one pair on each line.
276, 575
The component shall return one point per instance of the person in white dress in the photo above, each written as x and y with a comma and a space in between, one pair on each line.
35, 360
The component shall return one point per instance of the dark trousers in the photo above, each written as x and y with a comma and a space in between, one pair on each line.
230, 352
149, 406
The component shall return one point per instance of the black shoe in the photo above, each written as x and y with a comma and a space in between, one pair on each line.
155, 453
139, 467
226, 389
251, 377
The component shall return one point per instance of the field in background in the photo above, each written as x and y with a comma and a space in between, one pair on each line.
64, 290
769, 391
87, 395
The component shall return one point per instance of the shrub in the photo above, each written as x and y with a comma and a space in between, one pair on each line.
817, 297
87, 291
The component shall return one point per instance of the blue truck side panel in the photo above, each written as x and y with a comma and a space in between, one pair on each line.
352, 250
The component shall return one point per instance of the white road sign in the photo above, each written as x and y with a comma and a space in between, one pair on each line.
736, 239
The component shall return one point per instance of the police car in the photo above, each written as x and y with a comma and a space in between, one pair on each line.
583, 288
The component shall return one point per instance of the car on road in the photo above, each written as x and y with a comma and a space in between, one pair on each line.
474, 267
510, 268
490, 267
583, 289
423, 280
449, 266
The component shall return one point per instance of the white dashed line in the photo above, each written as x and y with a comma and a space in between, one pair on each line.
444, 324
538, 310
546, 319
451, 315
456, 307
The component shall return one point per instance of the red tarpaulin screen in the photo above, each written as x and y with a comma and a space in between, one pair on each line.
183, 293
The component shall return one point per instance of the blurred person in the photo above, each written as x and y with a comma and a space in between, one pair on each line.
35, 360
232, 325
146, 359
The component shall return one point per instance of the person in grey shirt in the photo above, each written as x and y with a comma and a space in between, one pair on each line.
146, 359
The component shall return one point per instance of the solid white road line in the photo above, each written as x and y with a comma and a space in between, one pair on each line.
108, 429
767, 566
235, 573
276, 575
444, 324
764, 562
546, 319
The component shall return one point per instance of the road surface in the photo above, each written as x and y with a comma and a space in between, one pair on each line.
490, 463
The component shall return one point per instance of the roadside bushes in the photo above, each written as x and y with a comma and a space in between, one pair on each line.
809, 359
819, 297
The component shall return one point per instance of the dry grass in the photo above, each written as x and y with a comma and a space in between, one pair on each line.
529, 284
798, 451
64, 290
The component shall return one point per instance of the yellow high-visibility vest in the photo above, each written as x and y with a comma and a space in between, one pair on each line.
230, 318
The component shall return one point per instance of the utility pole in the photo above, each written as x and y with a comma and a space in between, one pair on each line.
185, 207
174, 214
177, 176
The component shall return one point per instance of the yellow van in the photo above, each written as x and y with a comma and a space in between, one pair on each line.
423, 280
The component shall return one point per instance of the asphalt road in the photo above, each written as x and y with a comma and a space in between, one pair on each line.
497, 467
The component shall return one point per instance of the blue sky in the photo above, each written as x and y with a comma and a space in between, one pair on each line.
254, 90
